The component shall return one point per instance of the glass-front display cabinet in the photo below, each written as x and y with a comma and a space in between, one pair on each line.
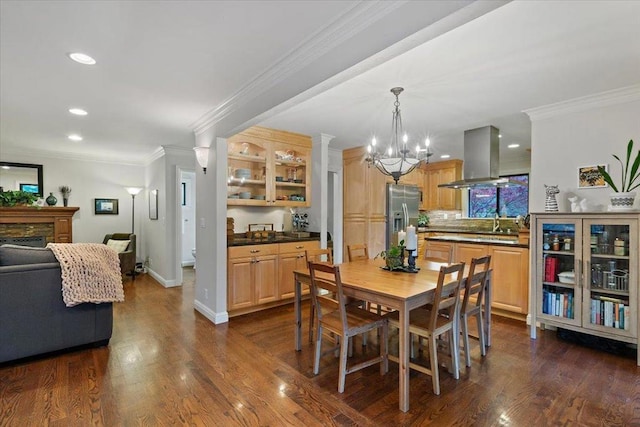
268, 167
586, 273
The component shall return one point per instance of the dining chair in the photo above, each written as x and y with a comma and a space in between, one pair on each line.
357, 252
441, 319
335, 315
474, 285
316, 255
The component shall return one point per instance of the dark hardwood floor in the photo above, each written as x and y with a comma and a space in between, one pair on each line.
168, 365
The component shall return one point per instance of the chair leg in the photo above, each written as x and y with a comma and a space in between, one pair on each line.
312, 315
316, 359
483, 346
344, 348
384, 350
433, 356
454, 351
465, 337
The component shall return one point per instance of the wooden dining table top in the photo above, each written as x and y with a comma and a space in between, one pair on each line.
370, 276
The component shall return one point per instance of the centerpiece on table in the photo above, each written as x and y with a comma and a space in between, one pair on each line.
394, 256
623, 197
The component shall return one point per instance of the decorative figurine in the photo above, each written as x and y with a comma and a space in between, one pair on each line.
550, 203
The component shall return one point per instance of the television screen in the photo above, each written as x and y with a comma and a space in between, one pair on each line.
29, 188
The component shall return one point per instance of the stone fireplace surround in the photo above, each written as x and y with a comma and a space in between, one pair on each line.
55, 224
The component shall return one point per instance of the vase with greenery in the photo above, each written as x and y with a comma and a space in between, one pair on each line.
17, 198
423, 220
65, 191
394, 256
623, 196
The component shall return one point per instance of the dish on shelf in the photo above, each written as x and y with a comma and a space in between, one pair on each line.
233, 196
297, 181
245, 194
259, 197
567, 277
279, 178
242, 173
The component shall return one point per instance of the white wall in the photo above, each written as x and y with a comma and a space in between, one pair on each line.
581, 132
89, 180
245, 215
188, 218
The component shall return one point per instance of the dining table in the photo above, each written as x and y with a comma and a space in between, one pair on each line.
397, 290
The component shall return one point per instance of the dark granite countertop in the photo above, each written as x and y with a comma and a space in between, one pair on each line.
466, 231
514, 243
241, 240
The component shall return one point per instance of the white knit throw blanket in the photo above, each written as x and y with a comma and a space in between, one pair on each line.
90, 273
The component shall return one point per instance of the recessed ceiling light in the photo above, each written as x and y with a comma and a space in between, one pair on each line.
78, 111
6, 167
499, 135
82, 58
513, 145
445, 156
75, 137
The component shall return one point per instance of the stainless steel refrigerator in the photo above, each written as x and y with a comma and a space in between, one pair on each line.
402, 210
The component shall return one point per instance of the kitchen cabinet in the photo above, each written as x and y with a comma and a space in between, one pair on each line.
364, 200
292, 257
510, 279
269, 167
434, 174
261, 276
252, 276
585, 275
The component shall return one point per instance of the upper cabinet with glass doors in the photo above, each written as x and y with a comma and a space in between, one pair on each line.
268, 167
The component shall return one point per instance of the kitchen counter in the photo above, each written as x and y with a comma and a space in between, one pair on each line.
514, 243
467, 231
242, 240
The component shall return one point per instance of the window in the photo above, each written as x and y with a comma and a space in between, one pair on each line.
485, 202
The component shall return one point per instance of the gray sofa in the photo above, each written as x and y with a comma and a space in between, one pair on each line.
33, 318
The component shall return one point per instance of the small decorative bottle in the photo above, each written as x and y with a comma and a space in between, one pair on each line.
51, 200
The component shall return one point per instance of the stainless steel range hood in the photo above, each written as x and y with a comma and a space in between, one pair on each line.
481, 160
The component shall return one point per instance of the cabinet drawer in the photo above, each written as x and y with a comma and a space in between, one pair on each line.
298, 246
252, 250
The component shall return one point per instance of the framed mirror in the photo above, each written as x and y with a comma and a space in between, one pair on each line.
21, 176
153, 204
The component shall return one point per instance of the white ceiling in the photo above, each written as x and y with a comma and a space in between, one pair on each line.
163, 65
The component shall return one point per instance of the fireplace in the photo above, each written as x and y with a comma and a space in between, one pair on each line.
52, 223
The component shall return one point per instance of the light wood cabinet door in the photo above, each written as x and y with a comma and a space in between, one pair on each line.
264, 276
240, 289
448, 199
292, 257
510, 278
465, 252
441, 173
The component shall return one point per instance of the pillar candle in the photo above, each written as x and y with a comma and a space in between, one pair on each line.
412, 238
402, 236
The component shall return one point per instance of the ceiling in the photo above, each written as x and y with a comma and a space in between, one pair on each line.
164, 65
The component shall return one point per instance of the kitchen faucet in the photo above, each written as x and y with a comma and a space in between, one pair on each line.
496, 224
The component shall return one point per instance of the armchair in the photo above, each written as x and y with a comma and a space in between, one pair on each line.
128, 256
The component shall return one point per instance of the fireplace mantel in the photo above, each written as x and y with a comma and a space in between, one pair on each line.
60, 217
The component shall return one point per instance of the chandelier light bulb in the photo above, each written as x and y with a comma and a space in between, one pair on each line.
373, 141
405, 138
368, 149
390, 151
427, 142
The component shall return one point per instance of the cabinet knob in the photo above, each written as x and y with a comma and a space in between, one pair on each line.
254, 251
299, 247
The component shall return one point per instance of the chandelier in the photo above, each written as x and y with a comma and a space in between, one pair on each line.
397, 159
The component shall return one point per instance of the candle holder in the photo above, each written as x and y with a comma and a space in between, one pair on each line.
411, 259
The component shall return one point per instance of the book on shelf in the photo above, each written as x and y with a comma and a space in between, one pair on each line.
610, 312
551, 269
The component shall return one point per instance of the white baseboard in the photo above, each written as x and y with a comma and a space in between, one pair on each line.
164, 282
215, 318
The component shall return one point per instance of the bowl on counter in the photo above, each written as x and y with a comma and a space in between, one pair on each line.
245, 194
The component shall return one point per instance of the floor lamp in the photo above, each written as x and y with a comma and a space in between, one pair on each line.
133, 191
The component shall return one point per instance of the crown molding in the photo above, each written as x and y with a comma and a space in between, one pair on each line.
65, 155
313, 47
598, 100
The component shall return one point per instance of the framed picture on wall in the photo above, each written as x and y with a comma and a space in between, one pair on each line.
106, 206
153, 204
589, 177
